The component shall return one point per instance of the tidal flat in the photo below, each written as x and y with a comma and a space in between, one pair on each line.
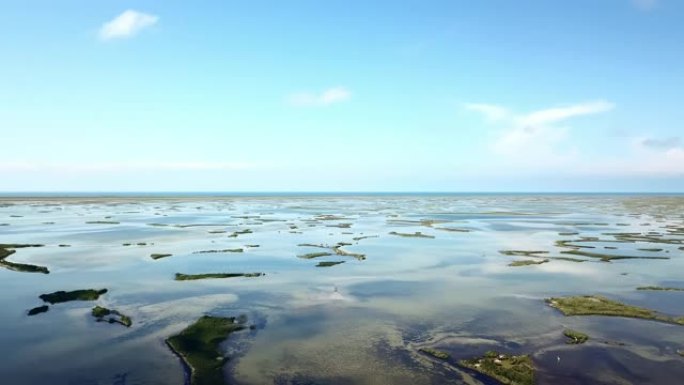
361, 293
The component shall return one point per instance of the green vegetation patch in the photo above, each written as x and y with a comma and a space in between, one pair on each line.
509, 370
102, 222
192, 277
156, 256
239, 232
236, 250
7, 249
417, 234
523, 253
435, 353
328, 264
198, 346
606, 257
38, 310
527, 262
598, 305
102, 314
76, 295
575, 337
660, 288
314, 255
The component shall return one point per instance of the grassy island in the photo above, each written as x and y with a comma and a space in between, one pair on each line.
7, 249
193, 277
76, 295
660, 288
314, 255
527, 262
328, 264
115, 316
239, 232
509, 370
605, 257
417, 234
237, 250
435, 353
523, 253
38, 310
156, 256
198, 347
575, 337
598, 305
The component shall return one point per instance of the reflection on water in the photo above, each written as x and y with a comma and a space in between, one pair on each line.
359, 322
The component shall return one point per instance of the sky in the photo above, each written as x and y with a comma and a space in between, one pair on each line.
311, 95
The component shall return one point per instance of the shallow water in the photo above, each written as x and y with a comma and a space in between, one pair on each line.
359, 322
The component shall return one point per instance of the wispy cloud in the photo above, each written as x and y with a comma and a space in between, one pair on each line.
127, 24
661, 144
536, 131
324, 98
645, 5
491, 111
21, 166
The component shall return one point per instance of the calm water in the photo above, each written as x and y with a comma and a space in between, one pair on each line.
359, 322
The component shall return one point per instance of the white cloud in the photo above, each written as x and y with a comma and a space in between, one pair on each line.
537, 140
645, 4
535, 132
127, 24
325, 98
21, 166
558, 114
490, 111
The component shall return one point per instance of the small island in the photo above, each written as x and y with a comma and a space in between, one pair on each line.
575, 337
314, 255
198, 346
438, 354
328, 264
76, 295
659, 288
236, 250
509, 370
598, 305
8, 249
192, 277
417, 234
527, 262
156, 256
115, 316
38, 310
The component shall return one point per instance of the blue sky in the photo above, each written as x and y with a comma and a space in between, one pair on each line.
497, 95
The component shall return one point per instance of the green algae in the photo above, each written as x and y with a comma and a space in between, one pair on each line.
76, 295
509, 370
192, 277
198, 346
